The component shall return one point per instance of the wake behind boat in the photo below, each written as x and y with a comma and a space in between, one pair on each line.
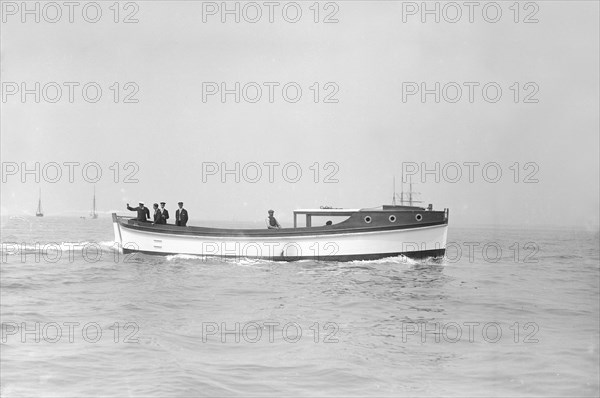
363, 234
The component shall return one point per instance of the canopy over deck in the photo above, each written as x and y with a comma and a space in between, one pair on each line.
321, 212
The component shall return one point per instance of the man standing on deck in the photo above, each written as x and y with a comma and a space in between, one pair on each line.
181, 215
272, 221
143, 214
157, 215
164, 212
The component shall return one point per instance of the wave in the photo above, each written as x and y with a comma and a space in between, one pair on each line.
15, 248
243, 261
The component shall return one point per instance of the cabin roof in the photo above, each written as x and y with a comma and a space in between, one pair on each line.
349, 212
327, 212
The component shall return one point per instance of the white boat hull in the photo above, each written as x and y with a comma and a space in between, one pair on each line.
419, 242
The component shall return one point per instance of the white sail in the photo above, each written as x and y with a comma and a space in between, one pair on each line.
39, 212
93, 213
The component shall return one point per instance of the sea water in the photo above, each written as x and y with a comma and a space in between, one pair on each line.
508, 312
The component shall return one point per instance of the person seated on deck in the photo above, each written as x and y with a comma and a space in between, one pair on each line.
143, 214
272, 221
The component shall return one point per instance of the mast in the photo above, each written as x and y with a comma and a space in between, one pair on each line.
94, 215
410, 201
406, 198
39, 208
402, 191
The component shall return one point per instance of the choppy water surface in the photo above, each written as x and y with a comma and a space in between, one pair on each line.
516, 318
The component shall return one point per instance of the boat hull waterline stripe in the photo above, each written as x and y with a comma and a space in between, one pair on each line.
415, 255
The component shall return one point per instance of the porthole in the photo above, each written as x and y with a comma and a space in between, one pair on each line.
368, 219
419, 217
392, 218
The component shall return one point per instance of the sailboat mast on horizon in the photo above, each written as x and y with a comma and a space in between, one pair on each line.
403, 194
93, 213
39, 212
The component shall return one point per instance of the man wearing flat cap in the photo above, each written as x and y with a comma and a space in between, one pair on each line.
272, 221
143, 213
164, 213
181, 216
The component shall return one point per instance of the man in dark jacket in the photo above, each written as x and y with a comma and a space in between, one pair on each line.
181, 215
143, 214
272, 221
157, 215
164, 212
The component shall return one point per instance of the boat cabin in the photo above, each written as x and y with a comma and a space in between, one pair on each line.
338, 212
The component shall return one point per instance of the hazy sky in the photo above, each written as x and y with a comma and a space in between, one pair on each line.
544, 128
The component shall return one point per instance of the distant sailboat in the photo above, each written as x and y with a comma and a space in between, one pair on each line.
403, 195
39, 212
93, 214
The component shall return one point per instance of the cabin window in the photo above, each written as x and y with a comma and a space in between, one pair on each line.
368, 219
419, 217
392, 218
